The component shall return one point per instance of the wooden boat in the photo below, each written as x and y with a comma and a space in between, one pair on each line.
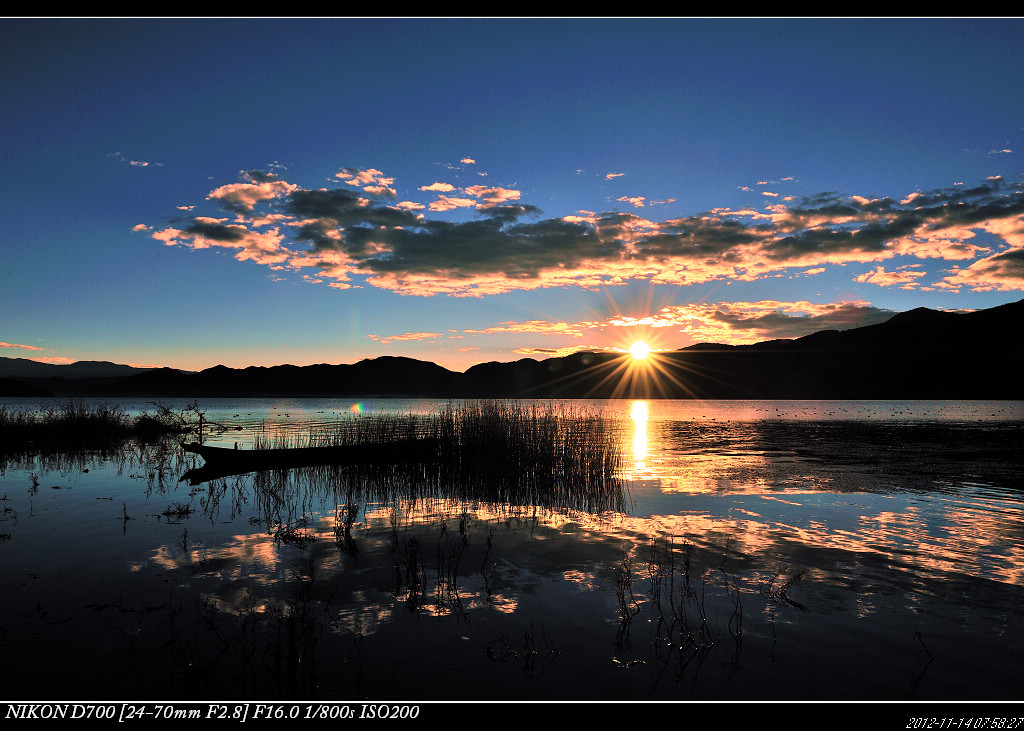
248, 460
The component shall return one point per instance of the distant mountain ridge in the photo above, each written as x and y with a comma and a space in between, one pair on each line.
918, 354
25, 368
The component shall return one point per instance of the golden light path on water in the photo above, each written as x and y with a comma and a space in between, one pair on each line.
639, 413
781, 497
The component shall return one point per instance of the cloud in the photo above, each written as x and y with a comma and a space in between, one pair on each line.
536, 327
1001, 272
134, 163
370, 181
404, 337
904, 278
732, 323
738, 323
50, 359
449, 203
493, 196
54, 360
243, 197
358, 235
203, 233
550, 352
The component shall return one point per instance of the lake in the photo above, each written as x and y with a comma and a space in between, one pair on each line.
754, 550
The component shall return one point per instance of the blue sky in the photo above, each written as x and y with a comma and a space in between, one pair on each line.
194, 192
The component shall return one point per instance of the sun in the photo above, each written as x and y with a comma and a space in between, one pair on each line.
639, 350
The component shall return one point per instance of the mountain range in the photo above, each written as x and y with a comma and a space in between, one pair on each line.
918, 354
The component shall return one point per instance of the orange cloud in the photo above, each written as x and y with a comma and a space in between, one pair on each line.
492, 195
739, 323
541, 327
54, 360
904, 278
441, 187
245, 196
203, 233
371, 181
551, 352
449, 203
732, 323
1002, 272
405, 337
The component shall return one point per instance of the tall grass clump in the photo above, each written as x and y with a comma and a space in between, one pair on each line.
536, 453
361, 429
541, 454
75, 426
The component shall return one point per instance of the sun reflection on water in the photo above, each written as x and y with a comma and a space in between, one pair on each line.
640, 413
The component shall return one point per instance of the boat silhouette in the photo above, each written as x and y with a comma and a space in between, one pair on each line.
225, 461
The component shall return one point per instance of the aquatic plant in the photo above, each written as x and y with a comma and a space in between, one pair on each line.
74, 426
177, 511
542, 455
781, 592
526, 653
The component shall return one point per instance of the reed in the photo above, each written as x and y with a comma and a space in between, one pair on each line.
781, 592
540, 454
502, 452
74, 426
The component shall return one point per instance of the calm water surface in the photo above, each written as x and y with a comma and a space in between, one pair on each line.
759, 551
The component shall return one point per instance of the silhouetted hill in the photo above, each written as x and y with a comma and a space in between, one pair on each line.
25, 368
14, 387
384, 376
919, 354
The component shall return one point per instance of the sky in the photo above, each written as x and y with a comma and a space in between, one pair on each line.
198, 192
